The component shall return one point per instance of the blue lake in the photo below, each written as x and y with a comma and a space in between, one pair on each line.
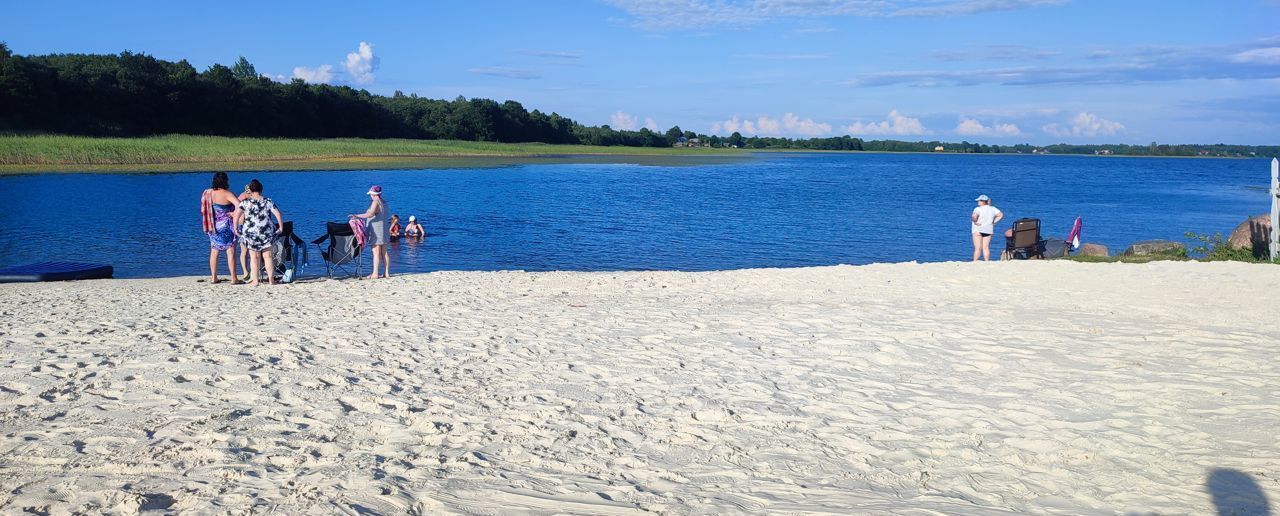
774, 210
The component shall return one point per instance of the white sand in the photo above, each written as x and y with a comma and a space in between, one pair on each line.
954, 388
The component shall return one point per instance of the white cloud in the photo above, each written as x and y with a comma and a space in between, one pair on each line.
806, 127
623, 122
1263, 56
896, 124
318, 75
1016, 112
728, 126
1087, 125
972, 127
1255, 60
734, 125
695, 14
361, 64
790, 124
966, 7
766, 126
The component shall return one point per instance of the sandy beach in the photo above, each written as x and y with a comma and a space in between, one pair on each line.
955, 388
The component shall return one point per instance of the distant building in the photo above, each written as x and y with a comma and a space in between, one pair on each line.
1102, 152
938, 149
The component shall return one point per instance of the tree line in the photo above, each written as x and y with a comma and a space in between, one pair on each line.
134, 94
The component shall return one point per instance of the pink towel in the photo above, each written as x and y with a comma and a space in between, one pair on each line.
206, 212
357, 226
1077, 230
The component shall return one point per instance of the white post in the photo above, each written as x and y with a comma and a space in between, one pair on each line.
1275, 208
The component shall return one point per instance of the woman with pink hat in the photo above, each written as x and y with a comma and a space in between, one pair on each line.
376, 235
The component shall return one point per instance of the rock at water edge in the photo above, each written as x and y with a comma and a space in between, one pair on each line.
1154, 247
1254, 233
1094, 250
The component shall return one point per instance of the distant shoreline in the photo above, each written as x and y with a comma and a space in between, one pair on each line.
185, 153
950, 153
351, 163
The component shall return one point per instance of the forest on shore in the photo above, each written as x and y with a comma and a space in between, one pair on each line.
134, 94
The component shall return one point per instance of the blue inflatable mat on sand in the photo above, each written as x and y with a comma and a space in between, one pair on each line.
55, 271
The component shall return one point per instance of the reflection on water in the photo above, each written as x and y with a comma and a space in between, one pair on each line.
773, 211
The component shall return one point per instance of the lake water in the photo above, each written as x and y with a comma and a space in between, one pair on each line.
775, 210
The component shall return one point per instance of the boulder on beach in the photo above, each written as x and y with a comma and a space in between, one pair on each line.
1093, 250
1155, 247
1254, 233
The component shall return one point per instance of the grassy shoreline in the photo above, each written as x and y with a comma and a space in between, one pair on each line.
183, 153
186, 153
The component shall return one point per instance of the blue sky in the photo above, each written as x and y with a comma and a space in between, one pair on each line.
992, 71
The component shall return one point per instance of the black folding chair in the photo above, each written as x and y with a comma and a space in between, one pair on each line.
1025, 243
290, 253
343, 252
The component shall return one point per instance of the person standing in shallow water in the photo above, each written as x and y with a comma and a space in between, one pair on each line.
376, 235
414, 229
394, 228
984, 219
218, 210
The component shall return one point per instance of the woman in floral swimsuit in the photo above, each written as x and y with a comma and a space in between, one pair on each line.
218, 208
259, 232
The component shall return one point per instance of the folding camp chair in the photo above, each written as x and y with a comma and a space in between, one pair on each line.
343, 252
1025, 243
289, 252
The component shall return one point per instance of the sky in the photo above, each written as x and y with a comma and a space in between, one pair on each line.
989, 71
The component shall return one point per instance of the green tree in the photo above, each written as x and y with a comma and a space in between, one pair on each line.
735, 140
244, 70
674, 134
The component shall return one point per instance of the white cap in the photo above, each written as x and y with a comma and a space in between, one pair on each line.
411, 218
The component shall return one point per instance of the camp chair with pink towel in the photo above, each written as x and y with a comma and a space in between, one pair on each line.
1024, 242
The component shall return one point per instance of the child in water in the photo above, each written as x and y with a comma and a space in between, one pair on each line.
395, 227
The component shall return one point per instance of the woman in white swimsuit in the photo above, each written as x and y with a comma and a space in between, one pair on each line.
984, 219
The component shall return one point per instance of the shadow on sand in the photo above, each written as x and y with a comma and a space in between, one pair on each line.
1235, 493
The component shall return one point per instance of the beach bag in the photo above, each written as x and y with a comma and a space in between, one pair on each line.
1055, 248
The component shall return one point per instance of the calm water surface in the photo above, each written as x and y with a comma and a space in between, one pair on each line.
778, 210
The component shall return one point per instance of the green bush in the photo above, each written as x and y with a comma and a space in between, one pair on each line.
1214, 248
